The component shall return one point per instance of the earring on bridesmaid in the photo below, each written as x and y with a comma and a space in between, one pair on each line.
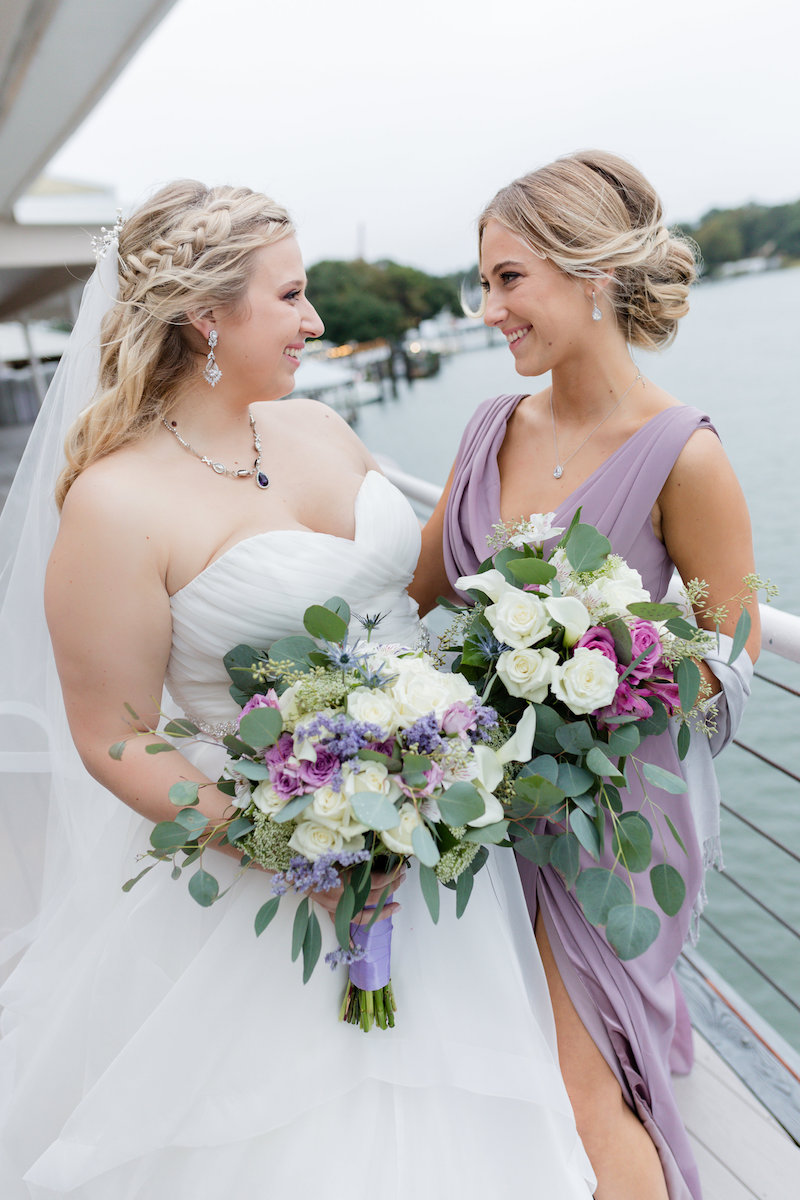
211, 372
596, 313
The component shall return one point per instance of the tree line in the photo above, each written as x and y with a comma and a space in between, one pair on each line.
754, 230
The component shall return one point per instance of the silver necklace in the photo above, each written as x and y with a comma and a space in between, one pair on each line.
262, 480
558, 470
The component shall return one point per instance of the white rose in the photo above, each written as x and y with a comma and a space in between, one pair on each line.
572, 614
267, 799
332, 809
421, 689
399, 839
313, 840
585, 682
620, 587
518, 618
527, 673
370, 777
374, 707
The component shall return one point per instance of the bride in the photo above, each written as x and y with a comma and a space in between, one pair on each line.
152, 1049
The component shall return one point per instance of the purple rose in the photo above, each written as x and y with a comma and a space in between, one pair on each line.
599, 638
277, 755
626, 702
645, 640
321, 771
459, 718
270, 700
285, 778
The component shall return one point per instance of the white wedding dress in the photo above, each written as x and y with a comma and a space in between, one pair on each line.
156, 1050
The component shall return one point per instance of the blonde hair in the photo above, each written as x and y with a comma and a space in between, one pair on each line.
188, 249
594, 216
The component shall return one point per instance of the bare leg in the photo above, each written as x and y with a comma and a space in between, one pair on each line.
619, 1147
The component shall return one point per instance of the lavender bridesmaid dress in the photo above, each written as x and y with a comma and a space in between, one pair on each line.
633, 1010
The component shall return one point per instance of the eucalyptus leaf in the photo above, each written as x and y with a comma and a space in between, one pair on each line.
598, 891
117, 750
464, 885
623, 740
157, 748
542, 797
652, 726
623, 642
664, 779
687, 676
461, 803
488, 835
343, 916
181, 727
531, 570
544, 764
129, 883
535, 847
740, 634
294, 649
565, 857
193, 822
374, 810
184, 792
610, 798
587, 549
339, 606
168, 835
299, 928
236, 746
443, 602
585, 832
597, 761
261, 726
631, 929
586, 803
379, 907
681, 628
291, 810
675, 834
501, 562
632, 841
651, 611
684, 740
574, 781
429, 886
312, 944
322, 623
547, 722
668, 888
203, 888
265, 914
238, 828
254, 771
424, 846
575, 737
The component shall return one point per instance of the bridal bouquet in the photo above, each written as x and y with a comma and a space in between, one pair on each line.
572, 637
348, 760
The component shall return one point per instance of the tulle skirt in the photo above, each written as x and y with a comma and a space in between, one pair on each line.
156, 1050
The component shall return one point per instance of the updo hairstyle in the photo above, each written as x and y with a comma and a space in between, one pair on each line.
188, 249
594, 215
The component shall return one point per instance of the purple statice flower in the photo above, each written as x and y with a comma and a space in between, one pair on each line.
269, 700
644, 637
341, 735
424, 736
337, 956
321, 771
303, 875
486, 718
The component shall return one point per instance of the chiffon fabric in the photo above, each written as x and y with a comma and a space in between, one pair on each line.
155, 1050
633, 1010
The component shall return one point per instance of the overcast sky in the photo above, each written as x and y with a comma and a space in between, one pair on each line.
385, 127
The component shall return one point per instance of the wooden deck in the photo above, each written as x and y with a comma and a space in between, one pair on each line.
742, 1152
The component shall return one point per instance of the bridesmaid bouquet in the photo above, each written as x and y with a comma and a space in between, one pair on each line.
570, 639
348, 760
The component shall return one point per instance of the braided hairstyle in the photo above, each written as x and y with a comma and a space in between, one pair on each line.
188, 249
594, 216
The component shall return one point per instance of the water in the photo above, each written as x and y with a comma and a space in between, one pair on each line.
735, 357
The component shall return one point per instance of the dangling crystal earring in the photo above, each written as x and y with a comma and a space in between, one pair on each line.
596, 313
211, 372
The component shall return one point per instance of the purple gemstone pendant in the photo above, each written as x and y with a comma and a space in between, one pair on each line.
262, 480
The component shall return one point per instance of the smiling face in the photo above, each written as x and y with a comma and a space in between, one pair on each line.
260, 344
545, 314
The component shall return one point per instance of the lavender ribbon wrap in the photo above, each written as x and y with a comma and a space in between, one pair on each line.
374, 970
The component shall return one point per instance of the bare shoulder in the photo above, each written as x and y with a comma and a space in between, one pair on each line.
702, 462
313, 421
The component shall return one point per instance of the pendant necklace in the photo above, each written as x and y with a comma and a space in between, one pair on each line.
558, 470
261, 478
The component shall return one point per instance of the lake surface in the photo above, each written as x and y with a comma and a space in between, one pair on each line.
736, 358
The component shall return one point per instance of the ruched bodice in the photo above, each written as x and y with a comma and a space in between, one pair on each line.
258, 590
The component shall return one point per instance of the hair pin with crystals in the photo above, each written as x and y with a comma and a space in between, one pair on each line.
102, 242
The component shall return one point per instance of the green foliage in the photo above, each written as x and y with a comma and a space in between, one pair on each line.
750, 231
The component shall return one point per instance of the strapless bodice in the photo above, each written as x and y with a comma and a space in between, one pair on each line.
258, 590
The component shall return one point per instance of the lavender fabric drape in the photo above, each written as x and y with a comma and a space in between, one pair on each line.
634, 1010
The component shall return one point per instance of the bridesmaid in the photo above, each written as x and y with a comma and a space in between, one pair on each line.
577, 267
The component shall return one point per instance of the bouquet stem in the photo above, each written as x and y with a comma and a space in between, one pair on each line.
369, 999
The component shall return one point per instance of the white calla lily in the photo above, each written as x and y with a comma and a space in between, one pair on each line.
491, 583
572, 614
519, 747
